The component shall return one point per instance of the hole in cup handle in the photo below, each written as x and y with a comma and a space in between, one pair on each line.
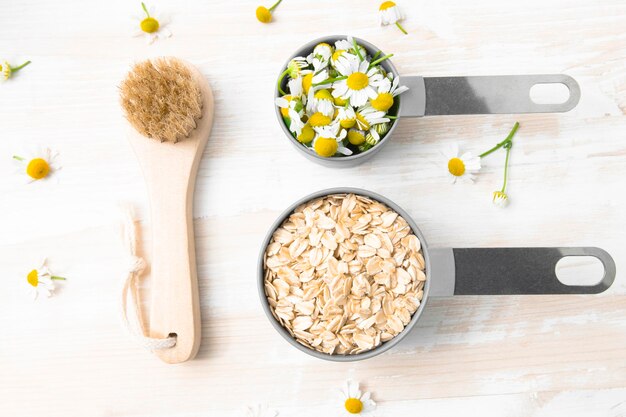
508, 271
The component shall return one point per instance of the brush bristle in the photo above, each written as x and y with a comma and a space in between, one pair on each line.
161, 99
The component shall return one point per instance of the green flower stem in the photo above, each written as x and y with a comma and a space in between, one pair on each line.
379, 60
271, 9
280, 81
356, 49
508, 139
331, 80
391, 117
18, 158
508, 147
401, 28
58, 278
16, 69
376, 55
145, 9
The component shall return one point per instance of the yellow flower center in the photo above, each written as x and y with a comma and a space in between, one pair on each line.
318, 119
323, 95
33, 278
357, 81
307, 134
383, 102
347, 123
499, 195
307, 80
285, 110
386, 5
6, 70
38, 168
356, 137
326, 147
340, 102
149, 25
337, 54
321, 45
456, 166
353, 405
263, 14
363, 123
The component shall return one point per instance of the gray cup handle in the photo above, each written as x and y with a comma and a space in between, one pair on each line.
494, 94
502, 271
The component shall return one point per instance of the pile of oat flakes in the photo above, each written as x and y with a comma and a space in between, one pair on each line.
344, 273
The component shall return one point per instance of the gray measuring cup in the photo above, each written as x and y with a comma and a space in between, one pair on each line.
443, 96
467, 271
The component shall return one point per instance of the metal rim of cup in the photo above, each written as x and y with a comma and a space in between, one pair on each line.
383, 347
389, 67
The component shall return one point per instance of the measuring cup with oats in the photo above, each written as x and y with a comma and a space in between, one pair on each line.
344, 274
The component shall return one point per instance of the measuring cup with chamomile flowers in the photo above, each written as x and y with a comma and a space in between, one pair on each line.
338, 98
344, 274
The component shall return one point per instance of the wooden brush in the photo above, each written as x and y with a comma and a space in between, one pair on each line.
169, 104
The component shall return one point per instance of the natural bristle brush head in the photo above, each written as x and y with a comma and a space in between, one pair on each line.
162, 100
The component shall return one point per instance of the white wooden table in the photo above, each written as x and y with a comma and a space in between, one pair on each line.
488, 356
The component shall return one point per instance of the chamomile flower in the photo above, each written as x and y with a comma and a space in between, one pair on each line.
320, 101
350, 46
390, 14
367, 116
356, 136
329, 139
264, 15
152, 26
360, 82
320, 56
39, 165
346, 116
295, 87
355, 401
295, 122
39, 281
387, 90
6, 70
461, 167
285, 103
500, 199
297, 67
260, 411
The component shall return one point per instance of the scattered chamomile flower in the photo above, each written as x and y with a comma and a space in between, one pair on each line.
260, 411
358, 81
39, 165
264, 15
500, 199
390, 14
151, 25
7, 70
356, 402
40, 281
461, 167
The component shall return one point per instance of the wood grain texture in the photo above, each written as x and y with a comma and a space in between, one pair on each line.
487, 356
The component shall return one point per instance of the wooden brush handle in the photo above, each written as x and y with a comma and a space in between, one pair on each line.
169, 171
175, 302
